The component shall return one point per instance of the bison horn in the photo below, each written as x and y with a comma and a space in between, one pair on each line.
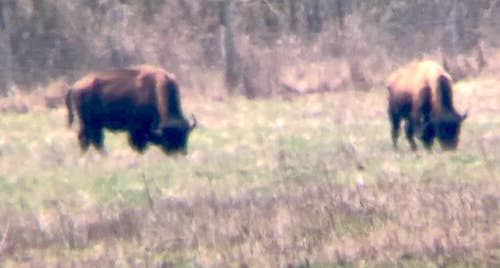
194, 123
464, 115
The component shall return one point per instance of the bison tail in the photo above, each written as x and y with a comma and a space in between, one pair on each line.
69, 106
445, 92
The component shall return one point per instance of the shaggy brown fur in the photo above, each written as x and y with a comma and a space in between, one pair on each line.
143, 100
421, 94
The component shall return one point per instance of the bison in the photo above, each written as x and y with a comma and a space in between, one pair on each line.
421, 93
142, 100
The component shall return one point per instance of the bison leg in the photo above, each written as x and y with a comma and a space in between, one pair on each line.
138, 140
410, 129
88, 136
395, 124
428, 135
84, 139
98, 139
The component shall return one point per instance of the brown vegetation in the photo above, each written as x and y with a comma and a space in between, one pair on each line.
52, 39
390, 221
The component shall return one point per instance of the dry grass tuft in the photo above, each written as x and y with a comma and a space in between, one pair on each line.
386, 222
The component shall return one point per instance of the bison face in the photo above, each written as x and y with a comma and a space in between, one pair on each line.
174, 139
447, 130
174, 136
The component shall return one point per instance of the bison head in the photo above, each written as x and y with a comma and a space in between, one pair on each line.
174, 134
447, 129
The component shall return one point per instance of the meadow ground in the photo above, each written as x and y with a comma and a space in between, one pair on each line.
310, 181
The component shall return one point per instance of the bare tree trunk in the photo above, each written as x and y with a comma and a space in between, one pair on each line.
293, 22
450, 59
480, 60
229, 47
5, 50
115, 39
454, 27
339, 6
313, 16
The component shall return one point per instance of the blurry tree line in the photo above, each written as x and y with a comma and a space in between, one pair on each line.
42, 40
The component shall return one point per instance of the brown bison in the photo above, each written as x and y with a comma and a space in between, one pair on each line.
421, 93
143, 100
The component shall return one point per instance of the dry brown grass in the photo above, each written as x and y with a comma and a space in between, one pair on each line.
436, 222
19, 101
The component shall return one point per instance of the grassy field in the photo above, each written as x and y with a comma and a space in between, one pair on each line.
310, 181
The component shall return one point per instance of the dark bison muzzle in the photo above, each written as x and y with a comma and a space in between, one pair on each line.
143, 100
421, 93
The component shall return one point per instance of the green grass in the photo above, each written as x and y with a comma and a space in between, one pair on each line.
266, 182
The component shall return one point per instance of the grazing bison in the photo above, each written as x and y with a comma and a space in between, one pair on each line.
143, 100
421, 93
